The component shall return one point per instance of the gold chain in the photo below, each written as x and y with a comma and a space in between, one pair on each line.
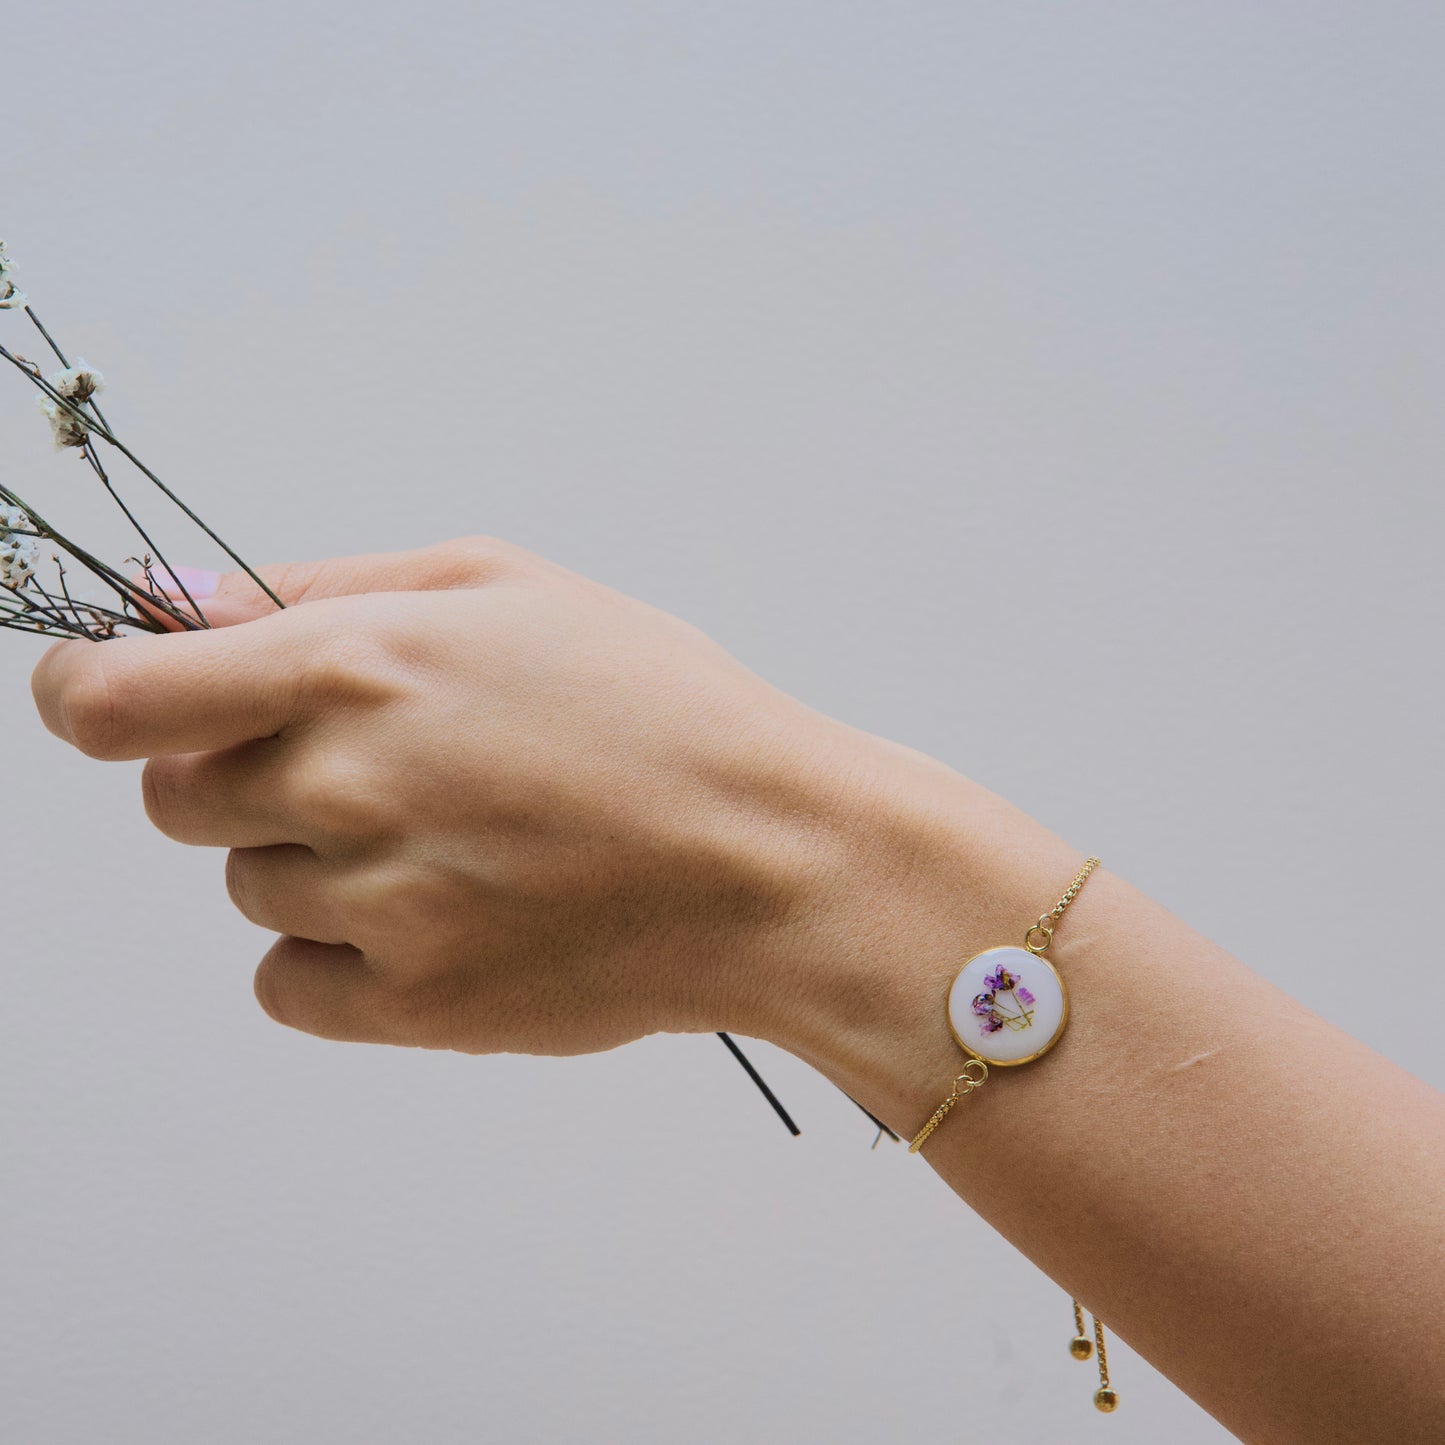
975, 1074
1106, 1398
1045, 925
1081, 1347
1072, 891
963, 1085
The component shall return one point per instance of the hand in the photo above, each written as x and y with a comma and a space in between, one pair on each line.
489, 805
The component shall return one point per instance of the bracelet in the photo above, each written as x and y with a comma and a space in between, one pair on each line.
1008, 1006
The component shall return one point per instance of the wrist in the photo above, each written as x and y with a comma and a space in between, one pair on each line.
921, 869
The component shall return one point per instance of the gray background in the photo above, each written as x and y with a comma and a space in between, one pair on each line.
1053, 387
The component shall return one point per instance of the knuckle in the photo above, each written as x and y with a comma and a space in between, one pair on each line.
369, 898
295, 581
353, 665
268, 988
90, 709
336, 796
470, 561
387, 900
289, 991
240, 882
162, 794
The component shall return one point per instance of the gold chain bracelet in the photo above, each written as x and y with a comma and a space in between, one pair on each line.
1008, 1006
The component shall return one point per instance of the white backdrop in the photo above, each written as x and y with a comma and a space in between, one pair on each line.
1054, 388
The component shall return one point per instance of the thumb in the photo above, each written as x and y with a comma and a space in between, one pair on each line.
231, 597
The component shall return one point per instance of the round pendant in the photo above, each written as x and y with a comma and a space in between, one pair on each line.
1007, 1006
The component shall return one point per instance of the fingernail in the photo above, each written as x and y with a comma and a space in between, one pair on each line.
196, 580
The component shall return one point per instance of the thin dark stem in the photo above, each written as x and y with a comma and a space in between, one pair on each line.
94, 460
38, 629
33, 608
152, 586
31, 370
60, 608
103, 618
882, 1127
757, 1078
140, 466
65, 591
32, 617
128, 590
106, 435
144, 535
30, 602
99, 609
118, 582
55, 347
108, 574
782, 1113
49, 339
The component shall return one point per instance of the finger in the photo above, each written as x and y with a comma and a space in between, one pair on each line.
187, 692
235, 597
328, 990
233, 798
287, 889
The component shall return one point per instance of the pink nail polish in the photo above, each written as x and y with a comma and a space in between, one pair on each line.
196, 580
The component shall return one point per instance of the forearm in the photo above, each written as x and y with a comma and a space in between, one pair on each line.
1254, 1200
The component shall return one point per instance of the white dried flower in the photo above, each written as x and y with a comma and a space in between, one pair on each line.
66, 428
11, 297
18, 556
13, 518
76, 383
79, 382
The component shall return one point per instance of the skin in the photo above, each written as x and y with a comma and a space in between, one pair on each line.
492, 806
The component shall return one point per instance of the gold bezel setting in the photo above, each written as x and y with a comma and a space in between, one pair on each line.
1034, 957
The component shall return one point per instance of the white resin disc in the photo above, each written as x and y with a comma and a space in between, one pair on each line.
1012, 1023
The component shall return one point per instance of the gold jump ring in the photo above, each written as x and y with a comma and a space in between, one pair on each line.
1044, 927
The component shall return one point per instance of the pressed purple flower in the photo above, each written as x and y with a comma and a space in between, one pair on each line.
1025, 997
1006, 980
992, 1025
983, 1003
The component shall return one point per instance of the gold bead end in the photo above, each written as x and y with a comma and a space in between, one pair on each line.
1106, 1400
1080, 1347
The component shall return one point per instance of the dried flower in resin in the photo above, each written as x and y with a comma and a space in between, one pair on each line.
991, 1005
